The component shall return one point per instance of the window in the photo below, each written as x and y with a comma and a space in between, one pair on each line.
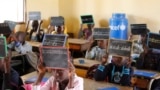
12, 10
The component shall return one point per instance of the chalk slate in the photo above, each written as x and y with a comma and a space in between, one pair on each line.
4, 29
120, 47
146, 74
137, 29
101, 33
87, 19
55, 57
35, 15
57, 21
11, 24
153, 40
3, 47
54, 40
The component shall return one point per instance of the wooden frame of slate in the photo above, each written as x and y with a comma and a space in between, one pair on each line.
11, 24
57, 21
87, 19
120, 47
55, 57
3, 47
58, 40
153, 40
35, 15
101, 33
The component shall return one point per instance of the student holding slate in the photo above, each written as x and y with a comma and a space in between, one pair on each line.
114, 72
62, 79
36, 34
96, 50
85, 33
23, 47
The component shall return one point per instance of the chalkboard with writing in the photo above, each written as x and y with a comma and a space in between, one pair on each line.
101, 33
4, 29
3, 47
57, 21
120, 47
36, 15
56, 58
138, 29
153, 40
54, 40
11, 24
87, 19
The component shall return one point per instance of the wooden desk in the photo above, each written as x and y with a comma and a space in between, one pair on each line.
34, 44
81, 69
16, 54
78, 44
144, 82
88, 83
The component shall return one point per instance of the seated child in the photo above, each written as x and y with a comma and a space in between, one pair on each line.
96, 50
9, 78
65, 79
114, 72
34, 35
23, 47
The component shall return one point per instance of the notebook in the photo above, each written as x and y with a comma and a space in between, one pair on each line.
108, 88
33, 79
144, 73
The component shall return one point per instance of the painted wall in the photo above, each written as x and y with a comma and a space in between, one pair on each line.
138, 11
47, 8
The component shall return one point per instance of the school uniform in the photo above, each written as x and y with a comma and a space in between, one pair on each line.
96, 53
114, 74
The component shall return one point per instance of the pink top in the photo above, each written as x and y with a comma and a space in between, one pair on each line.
49, 85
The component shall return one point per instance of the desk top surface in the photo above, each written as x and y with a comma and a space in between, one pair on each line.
87, 63
88, 83
15, 54
34, 44
77, 41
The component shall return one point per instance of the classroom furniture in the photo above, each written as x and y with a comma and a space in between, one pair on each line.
81, 68
144, 78
78, 44
16, 62
88, 83
34, 44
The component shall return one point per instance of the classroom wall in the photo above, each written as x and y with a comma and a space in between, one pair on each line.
138, 11
47, 8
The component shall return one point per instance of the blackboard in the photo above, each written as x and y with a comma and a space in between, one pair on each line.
4, 29
120, 47
153, 40
54, 40
35, 15
55, 57
101, 33
87, 19
57, 21
3, 47
11, 24
137, 29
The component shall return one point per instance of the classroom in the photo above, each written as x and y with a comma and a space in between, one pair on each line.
79, 45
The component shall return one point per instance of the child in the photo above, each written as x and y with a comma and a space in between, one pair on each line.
96, 50
61, 80
87, 32
9, 78
23, 47
114, 72
36, 34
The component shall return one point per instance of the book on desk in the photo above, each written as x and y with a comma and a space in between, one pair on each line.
108, 88
34, 78
146, 74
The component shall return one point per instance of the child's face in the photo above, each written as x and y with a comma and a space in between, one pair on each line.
100, 43
20, 38
61, 75
117, 60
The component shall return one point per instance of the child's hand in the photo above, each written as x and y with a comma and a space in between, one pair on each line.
41, 68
